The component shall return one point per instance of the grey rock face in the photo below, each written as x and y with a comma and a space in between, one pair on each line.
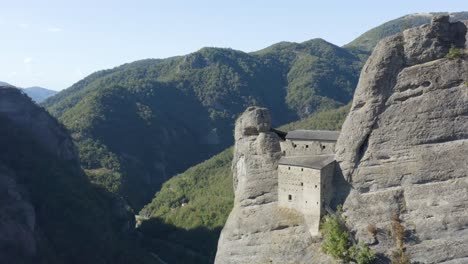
18, 221
257, 230
23, 112
404, 146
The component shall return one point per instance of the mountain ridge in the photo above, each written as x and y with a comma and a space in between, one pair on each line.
216, 84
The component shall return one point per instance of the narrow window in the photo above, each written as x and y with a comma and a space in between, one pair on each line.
289, 197
289, 168
316, 186
302, 184
323, 147
302, 169
307, 146
294, 145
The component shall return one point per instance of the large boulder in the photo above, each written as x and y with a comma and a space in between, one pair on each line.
257, 230
403, 148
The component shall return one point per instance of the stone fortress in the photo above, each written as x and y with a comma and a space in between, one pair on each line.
400, 157
305, 173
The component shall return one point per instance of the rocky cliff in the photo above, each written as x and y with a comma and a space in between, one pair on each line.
49, 212
18, 224
402, 172
257, 230
404, 145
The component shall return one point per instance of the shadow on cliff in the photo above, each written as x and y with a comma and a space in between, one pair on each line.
342, 188
173, 244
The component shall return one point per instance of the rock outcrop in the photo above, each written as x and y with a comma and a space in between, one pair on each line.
49, 212
257, 230
404, 145
18, 108
18, 227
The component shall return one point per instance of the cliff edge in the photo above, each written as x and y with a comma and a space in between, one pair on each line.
257, 230
404, 145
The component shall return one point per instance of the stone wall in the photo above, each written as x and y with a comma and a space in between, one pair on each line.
300, 184
258, 230
306, 147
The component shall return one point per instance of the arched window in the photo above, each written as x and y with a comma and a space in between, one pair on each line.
289, 197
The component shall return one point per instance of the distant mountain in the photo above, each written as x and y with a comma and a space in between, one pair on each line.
367, 41
139, 124
5, 84
39, 94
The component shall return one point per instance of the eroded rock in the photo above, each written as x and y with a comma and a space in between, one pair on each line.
404, 145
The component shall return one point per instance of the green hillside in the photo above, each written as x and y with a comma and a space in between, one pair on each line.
196, 203
73, 221
367, 41
140, 123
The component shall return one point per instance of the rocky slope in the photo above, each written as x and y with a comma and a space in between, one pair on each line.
49, 212
402, 161
257, 230
404, 145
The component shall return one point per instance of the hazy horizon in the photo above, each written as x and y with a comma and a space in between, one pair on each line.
57, 45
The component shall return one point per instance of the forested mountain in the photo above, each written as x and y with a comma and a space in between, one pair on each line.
138, 124
50, 212
5, 84
39, 94
367, 41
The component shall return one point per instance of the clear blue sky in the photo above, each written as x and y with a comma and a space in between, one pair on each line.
55, 43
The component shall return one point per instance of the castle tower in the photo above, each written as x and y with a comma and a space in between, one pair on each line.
305, 173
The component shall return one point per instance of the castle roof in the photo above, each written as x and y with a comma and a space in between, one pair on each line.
317, 162
314, 135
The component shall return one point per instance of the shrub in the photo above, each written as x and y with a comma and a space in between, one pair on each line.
398, 232
361, 254
399, 257
454, 53
337, 241
336, 237
372, 229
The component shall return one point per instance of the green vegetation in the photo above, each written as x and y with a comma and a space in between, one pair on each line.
140, 123
365, 43
361, 253
74, 219
337, 241
336, 237
328, 120
196, 204
206, 191
201, 196
454, 53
